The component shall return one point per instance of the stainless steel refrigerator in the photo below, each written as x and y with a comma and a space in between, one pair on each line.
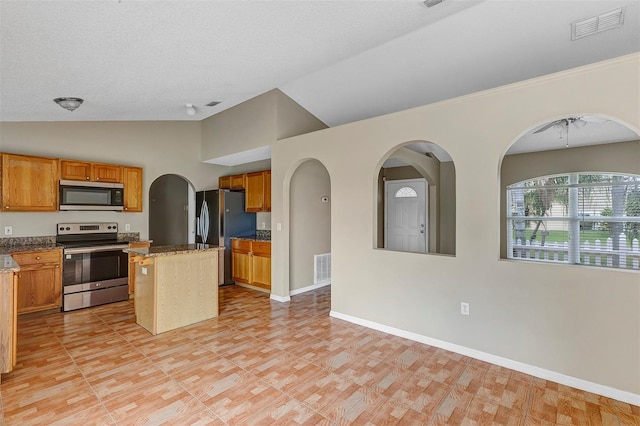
220, 215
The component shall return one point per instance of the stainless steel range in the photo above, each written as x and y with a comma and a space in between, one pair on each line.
95, 269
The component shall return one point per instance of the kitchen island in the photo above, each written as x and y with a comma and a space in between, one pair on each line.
175, 286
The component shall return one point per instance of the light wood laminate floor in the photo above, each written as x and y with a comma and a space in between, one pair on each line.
262, 362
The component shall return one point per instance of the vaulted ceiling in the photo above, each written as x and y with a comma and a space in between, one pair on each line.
341, 60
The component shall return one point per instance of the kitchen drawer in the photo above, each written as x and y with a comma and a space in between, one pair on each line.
261, 248
242, 245
37, 257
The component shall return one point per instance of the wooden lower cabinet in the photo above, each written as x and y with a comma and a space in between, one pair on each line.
251, 262
132, 265
39, 280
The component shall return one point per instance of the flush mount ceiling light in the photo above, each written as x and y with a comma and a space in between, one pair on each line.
430, 3
70, 104
190, 109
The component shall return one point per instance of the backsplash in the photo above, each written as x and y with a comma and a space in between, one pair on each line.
263, 234
128, 236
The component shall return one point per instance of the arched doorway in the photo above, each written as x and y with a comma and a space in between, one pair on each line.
310, 228
416, 199
171, 207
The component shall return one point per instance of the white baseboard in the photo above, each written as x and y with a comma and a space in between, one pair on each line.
309, 288
280, 298
541, 373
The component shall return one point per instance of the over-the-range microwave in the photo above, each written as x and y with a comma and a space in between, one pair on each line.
80, 195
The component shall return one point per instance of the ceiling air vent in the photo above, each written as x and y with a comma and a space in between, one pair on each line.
213, 103
606, 21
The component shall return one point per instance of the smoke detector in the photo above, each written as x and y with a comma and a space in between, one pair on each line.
596, 24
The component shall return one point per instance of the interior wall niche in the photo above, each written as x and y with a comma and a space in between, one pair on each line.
428, 161
595, 145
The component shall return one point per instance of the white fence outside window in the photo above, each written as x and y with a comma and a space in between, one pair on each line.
595, 253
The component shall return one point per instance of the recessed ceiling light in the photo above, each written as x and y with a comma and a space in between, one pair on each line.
605, 21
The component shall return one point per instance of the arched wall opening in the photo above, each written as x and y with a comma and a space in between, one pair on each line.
552, 159
408, 163
310, 227
171, 210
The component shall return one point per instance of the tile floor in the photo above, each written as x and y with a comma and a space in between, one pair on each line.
262, 362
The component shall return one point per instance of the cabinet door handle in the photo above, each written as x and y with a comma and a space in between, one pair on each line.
87, 177
57, 266
37, 257
6, 207
97, 178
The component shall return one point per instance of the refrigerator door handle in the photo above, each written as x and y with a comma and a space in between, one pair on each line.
205, 222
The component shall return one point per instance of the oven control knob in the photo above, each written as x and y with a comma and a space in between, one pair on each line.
62, 228
68, 229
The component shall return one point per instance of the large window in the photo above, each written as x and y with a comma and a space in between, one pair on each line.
578, 218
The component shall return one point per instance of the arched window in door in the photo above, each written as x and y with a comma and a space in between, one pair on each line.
406, 192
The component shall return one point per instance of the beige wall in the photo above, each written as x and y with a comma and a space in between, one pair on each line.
246, 126
158, 147
255, 123
310, 221
581, 322
621, 157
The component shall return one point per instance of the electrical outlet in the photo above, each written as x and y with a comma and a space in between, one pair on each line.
127, 227
464, 308
8, 230
264, 225
144, 270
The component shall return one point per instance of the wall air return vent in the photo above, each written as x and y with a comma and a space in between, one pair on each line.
213, 103
606, 21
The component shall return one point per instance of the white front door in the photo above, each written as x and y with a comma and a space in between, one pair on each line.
406, 221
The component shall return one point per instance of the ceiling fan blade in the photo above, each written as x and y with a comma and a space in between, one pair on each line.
548, 126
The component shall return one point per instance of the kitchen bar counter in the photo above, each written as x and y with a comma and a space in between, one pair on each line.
171, 250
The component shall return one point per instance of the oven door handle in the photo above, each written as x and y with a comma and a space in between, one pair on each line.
80, 250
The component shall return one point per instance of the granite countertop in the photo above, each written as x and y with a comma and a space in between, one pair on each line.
252, 238
8, 249
7, 264
171, 250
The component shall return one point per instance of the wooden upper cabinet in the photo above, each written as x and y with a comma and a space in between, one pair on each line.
29, 183
224, 182
75, 170
107, 173
238, 182
258, 191
254, 192
94, 172
267, 190
132, 180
